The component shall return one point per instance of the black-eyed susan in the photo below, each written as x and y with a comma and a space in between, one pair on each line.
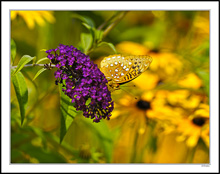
32, 17
195, 126
140, 123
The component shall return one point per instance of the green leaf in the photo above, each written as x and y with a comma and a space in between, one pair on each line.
21, 92
205, 78
68, 113
85, 19
43, 59
103, 49
38, 73
98, 35
43, 156
91, 30
101, 129
13, 50
24, 60
86, 41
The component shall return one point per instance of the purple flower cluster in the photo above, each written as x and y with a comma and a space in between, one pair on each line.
82, 81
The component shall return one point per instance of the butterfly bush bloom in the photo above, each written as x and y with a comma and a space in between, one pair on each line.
82, 81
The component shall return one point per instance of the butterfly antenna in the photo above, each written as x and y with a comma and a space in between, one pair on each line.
130, 93
130, 86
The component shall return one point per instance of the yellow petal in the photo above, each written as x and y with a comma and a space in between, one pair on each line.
192, 141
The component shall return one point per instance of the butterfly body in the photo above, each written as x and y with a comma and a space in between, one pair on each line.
119, 69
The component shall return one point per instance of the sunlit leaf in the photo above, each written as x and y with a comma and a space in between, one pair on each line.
13, 50
23, 61
21, 91
38, 73
42, 60
98, 35
68, 113
86, 41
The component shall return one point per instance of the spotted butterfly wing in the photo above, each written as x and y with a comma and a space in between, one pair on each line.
119, 69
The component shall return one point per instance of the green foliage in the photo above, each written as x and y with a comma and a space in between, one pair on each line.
21, 90
23, 61
104, 136
55, 132
13, 50
45, 59
38, 73
86, 41
68, 112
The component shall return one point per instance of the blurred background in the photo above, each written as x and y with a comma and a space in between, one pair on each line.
163, 119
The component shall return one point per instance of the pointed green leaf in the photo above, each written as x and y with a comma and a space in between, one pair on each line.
91, 30
38, 73
23, 61
86, 41
13, 50
68, 112
103, 49
21, 92
98, 35
85, 19
43, 59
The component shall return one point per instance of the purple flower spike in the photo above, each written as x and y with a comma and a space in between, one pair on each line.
82, 81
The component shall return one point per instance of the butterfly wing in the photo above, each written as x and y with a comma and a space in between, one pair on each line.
122, 69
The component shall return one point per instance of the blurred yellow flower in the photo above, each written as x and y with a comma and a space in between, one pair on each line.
131, 48
146, 81
130, 114
32, 17
184, 98
191, 80
194, 127
166, 64
201, 24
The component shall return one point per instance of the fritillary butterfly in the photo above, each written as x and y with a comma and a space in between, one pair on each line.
119, 69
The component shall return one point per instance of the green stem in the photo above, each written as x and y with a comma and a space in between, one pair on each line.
112, 25
134, 155
106, 22
191, 154
30, 65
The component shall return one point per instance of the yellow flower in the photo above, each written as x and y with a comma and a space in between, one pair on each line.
131, 48
185, 99
194, 127
201, 24
167, 65
130, 115
191, 80
32, 17
146, 81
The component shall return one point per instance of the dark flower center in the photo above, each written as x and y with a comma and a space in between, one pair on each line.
144, 105
155, 50
199, 121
